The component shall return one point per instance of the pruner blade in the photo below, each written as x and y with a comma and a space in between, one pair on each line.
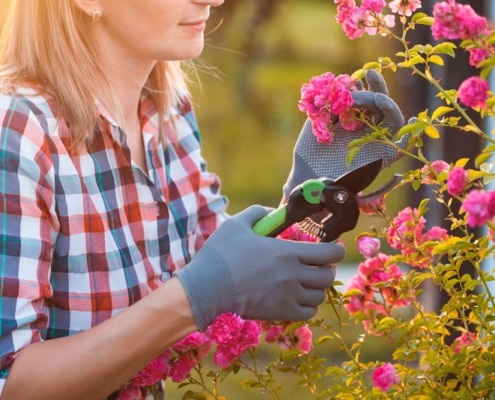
339, 198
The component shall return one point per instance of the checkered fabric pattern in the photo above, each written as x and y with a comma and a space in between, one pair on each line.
84, 236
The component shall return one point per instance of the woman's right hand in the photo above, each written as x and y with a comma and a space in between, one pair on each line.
257, 277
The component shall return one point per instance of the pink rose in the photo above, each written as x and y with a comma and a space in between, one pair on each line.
226, 328
358, 302
430, 173
478, 55
154, 371
324, 97
436, 234
196, 345
385, 376
474, 92
479, 206
368, 246
456, 181
303, 339
457, 21
181, 368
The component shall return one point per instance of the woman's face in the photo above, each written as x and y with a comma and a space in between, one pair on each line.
153, 30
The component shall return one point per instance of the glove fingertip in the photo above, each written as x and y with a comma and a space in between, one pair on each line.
375, 81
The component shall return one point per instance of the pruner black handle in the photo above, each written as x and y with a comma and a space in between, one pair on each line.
304, 201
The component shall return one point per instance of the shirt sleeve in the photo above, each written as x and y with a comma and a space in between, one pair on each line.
27, 227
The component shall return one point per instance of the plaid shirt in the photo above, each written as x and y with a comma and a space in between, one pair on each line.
82, 237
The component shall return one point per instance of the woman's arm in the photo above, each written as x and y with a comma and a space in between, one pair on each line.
95, 363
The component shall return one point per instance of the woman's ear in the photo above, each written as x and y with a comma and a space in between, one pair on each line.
92, 8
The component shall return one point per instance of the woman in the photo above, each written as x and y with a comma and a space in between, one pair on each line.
106, 203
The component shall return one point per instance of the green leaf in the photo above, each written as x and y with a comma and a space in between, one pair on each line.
371, 65
412, 61
436, 60
418, 15
190, 395
358, 75
432, 132
441, 111
322, 339
462, 162
351, 154
250, 383
425, 21
445, 48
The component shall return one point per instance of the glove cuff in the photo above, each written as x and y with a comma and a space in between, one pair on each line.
209, 286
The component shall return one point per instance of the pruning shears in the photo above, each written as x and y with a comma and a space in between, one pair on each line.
340, 198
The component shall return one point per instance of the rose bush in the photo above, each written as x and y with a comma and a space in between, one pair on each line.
445, 354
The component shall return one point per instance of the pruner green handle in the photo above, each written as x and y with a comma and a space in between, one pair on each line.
271, 222
303, 201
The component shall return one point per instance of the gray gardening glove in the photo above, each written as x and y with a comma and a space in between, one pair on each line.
257, 277
313, 160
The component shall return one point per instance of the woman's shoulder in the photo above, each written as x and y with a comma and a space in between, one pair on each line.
29, 102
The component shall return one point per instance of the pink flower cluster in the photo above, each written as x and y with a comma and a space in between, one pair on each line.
375, 289
188, 352
464, 340
406, 234
233, 337
149, 376
326, 100
457, 21
300, 338
385, 376
368, 18
457, 177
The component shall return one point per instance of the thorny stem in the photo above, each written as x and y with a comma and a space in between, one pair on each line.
254, 370
343, 344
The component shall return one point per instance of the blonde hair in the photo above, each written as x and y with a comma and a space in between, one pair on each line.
45, 41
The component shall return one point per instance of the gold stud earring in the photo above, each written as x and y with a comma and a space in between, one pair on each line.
96, 16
